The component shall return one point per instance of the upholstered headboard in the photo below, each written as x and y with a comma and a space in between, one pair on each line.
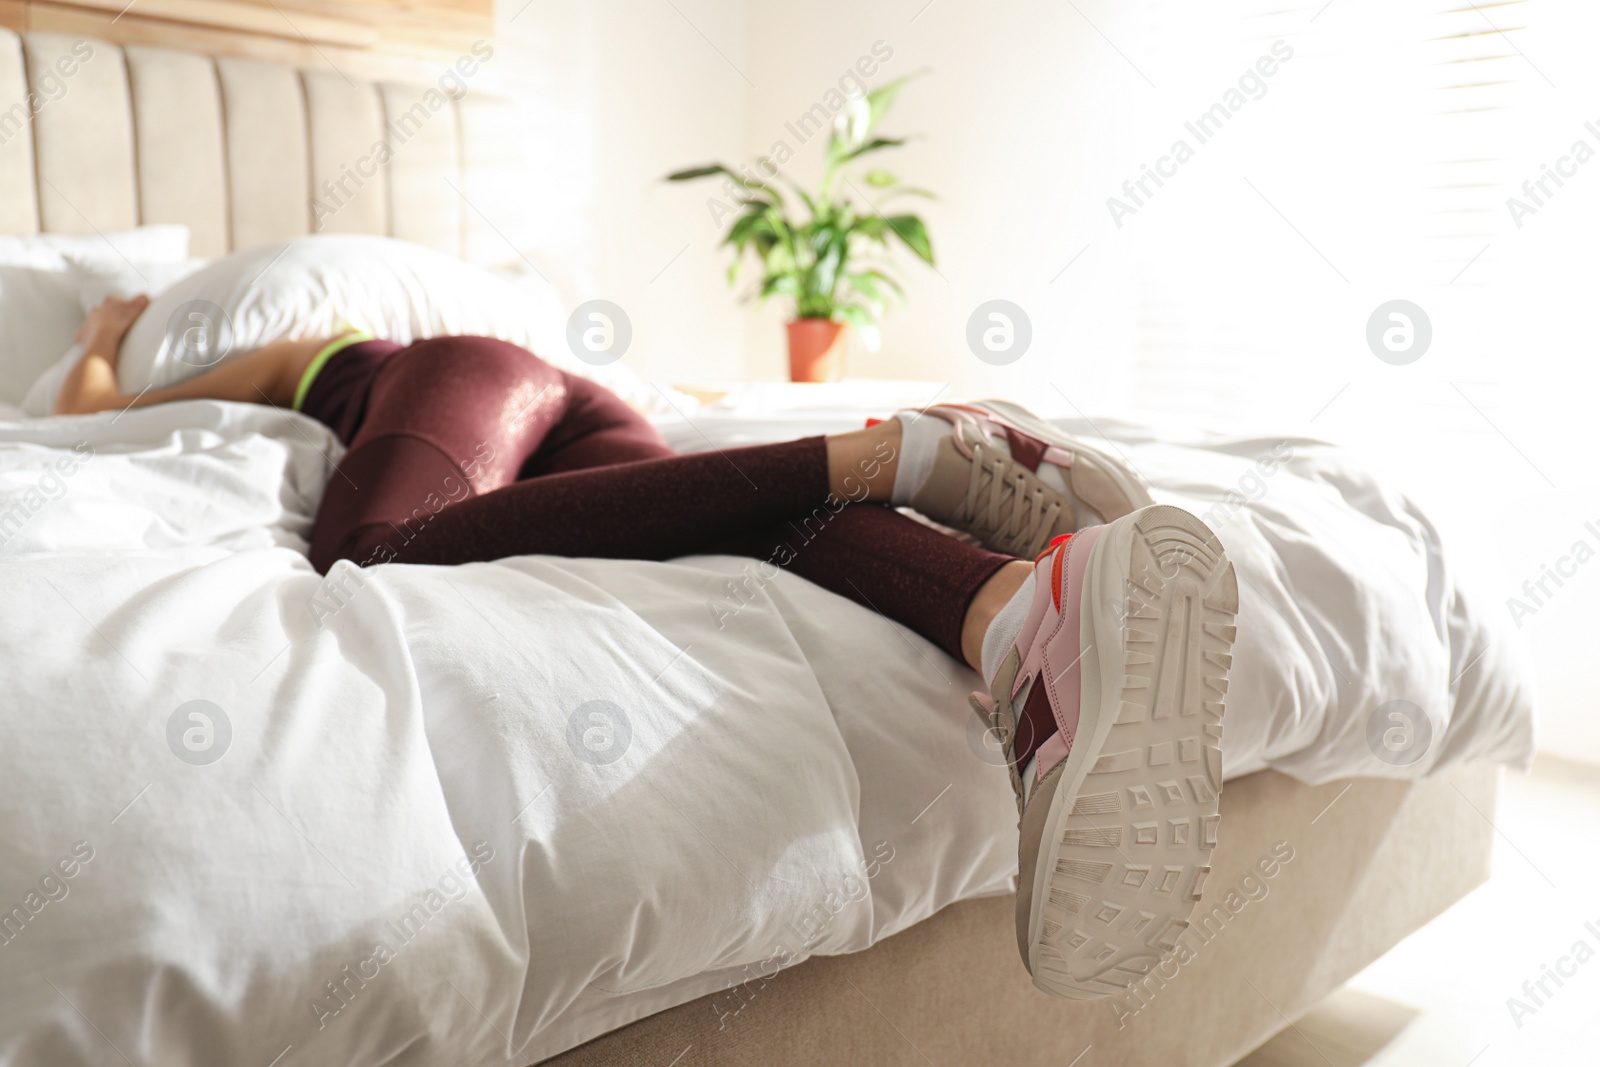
97, 136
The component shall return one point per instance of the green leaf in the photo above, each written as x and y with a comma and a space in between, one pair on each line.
743, 228
914, 233
691, 173
873, 226
805, 197
864, 285
880, 179
711, 169
779, 284
868, 281
881, 99
857, 315
766, 229
814, 307
830, 261
908, 190
872, 146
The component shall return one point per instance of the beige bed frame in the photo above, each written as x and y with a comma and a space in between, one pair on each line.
1372, 861
240, 150
99, 137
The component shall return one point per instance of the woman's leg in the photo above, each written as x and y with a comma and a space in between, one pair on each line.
945, 589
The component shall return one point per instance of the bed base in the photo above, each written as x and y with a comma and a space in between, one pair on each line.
1372, 861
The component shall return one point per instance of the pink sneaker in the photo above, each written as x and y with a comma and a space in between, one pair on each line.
1113, 692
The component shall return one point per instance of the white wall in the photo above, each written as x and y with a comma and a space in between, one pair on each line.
623, 92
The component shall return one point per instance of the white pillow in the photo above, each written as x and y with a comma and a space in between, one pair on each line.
162, 243
95, 278
39, 304
39, 313
94, 281
321, 285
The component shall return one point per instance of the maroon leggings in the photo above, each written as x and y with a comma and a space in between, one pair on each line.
467, 448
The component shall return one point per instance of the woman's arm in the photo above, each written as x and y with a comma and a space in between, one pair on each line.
269, 375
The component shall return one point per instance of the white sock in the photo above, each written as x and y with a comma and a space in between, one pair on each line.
1003, 631
919, 441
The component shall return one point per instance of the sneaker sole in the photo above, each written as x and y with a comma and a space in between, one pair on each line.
1113, 867
1130, 485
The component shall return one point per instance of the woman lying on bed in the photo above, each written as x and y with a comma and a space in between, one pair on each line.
1105, 647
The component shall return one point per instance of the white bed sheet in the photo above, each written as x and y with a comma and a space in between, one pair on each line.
802, 778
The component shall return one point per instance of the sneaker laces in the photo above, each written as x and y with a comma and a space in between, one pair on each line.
996, 480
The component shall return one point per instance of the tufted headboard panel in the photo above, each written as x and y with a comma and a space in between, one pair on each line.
98, 136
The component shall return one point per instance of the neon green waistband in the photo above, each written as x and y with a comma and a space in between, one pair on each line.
320, 360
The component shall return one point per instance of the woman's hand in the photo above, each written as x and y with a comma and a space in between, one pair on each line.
105, 326
92, 384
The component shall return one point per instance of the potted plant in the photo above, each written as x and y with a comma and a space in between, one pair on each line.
822, 262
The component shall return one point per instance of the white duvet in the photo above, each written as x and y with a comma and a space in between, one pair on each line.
478, 815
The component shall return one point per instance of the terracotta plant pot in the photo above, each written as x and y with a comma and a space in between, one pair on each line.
816, 350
